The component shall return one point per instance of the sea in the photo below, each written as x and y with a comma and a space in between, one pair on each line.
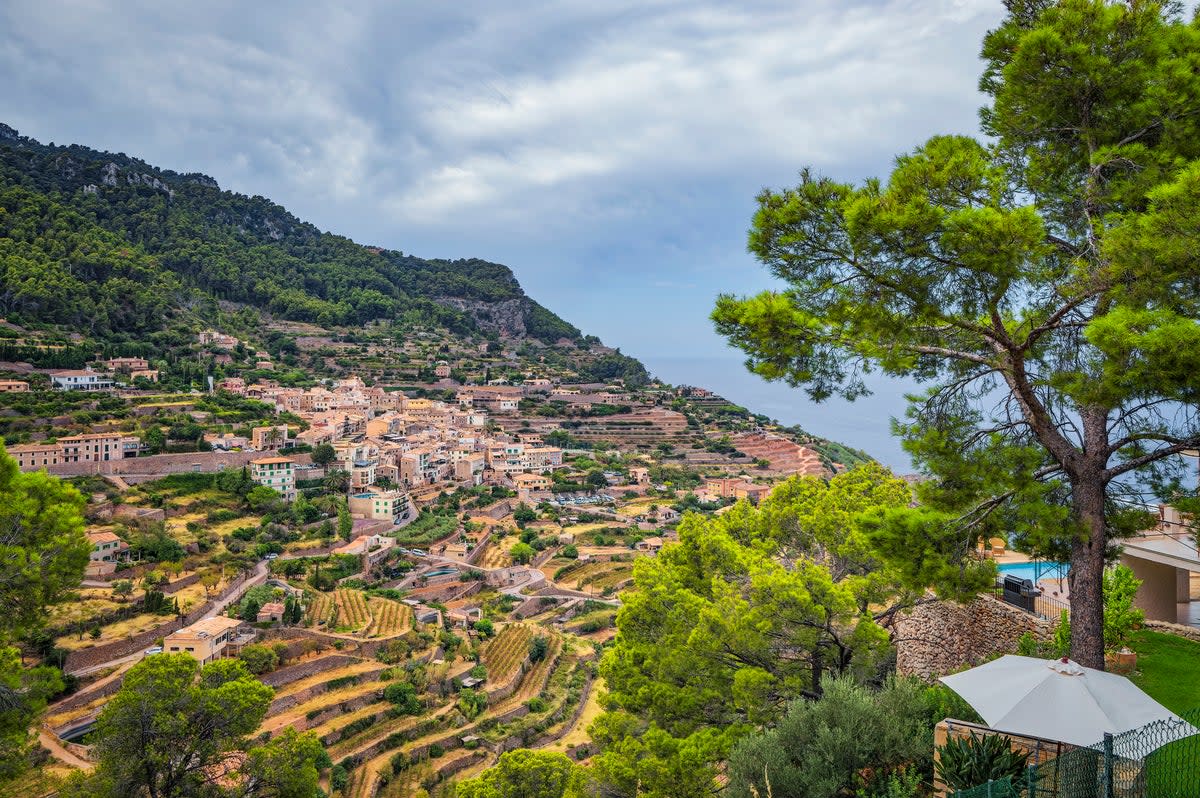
862, 424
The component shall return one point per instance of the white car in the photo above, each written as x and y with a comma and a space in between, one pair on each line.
152, 650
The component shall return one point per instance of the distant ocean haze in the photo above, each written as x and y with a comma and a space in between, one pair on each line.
862, 424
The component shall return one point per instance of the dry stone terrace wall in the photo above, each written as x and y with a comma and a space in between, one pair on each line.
284, 703
336, 710
86, 696
180, 584
303, 670
942, 637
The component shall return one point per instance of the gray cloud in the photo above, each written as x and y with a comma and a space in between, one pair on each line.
609, 152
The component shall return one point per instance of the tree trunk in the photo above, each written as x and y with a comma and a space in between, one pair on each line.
1087, 575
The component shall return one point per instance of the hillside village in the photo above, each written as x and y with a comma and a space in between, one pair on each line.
344, 528
284, 515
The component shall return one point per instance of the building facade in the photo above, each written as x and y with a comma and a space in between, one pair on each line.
278, 473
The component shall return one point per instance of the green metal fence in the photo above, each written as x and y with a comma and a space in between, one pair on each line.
1160, 760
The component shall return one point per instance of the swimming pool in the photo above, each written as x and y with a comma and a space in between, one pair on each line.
1035, 570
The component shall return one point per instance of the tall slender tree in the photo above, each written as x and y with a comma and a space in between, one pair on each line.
1041, 282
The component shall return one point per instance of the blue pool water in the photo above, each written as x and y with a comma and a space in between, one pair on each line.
441, 572
1035, 570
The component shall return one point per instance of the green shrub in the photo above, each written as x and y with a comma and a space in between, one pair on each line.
906, 784
259, 659
826, 747
471, 703
338, 777
403, 697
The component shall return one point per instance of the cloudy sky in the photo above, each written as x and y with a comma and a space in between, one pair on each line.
608, 152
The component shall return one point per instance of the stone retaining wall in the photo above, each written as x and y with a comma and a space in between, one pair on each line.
295, 699
462, 763
303, 670
499, 692
1191, 633
87, 696
477, 553
340, 708
180, 584
941, 637
157, 465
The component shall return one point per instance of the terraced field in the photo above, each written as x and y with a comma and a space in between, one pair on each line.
615, 577
366, 778
355, 669
365, 739
298, 715
321, 610
345, 719
350, 611
597, 575
506, 653
352, 614
534, 680
388, 618
496, 555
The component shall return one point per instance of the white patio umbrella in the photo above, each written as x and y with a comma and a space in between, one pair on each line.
1059, 700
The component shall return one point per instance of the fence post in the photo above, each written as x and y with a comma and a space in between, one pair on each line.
1108, 765
989, 790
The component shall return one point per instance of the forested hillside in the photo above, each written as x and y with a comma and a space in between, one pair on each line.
112, 246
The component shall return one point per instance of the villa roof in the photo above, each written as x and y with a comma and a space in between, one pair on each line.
209, 627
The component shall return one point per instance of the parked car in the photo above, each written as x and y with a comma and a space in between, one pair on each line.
272, 556
152, 650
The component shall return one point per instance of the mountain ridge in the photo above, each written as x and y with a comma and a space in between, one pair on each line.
223, 245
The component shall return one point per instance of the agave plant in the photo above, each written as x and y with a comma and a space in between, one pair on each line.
966, 762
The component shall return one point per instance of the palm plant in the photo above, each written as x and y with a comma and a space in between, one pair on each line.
966, 762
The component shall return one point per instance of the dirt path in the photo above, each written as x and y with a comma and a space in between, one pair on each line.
59, 752
117, 482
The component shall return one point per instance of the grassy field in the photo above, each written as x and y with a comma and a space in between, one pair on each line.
639, 506
94, 601
1167, 669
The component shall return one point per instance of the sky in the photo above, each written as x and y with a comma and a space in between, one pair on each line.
609, 153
